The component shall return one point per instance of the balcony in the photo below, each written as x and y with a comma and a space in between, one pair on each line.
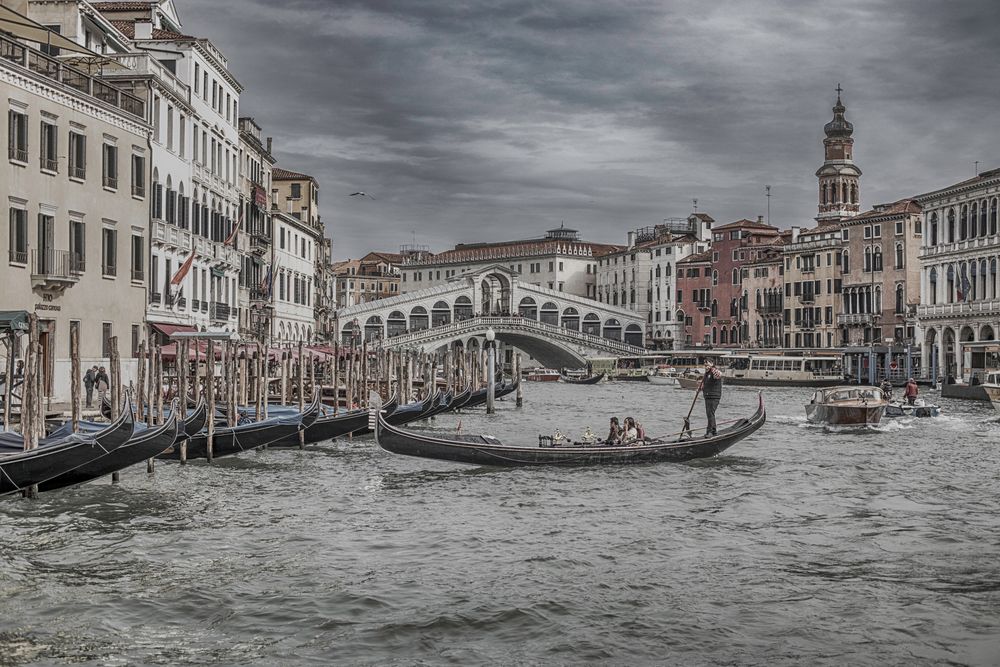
260, 297
54, 270
850, 319
985, 308
219, 312
155, 298
57, 71
111, 182
110, 270
138, 275
771, 310
195, 305
259, 244
138, 190
79, 173
50, 164
807, 297
17, 154
17, 257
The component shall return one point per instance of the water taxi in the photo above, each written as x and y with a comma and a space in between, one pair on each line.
847, 405
775, 370
992, 388
542, 375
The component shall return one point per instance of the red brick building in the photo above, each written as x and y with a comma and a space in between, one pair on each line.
734, 246
694, 299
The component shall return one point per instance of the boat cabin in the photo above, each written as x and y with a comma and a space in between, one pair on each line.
848, 394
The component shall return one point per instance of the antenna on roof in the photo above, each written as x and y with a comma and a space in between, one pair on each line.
977, 168
767, 193
694, 202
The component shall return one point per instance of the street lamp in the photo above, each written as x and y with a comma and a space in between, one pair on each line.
491, 355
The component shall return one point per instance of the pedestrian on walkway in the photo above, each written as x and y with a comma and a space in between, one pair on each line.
89, 380
103, 384
711, 389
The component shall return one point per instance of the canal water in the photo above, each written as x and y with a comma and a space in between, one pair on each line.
801, 545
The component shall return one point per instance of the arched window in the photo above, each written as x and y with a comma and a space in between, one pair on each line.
982, 219
395, 323
933, 285
824, 190
613, 329
736, 276
993, 217
463, 308
592, 324
715, 277
899, 255
846, 262
963, 223
528, 308
571, 319
854, 193
899, 299
933, 223
724, 338
440, 314
550, 313
715, 308
951, 225
418, 318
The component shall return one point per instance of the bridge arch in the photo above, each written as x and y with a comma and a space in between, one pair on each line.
418, 318
612, 329
463, 308
550, 313
440, 314
496, 294
633, 334
528, 308
395, 323
350, 332
592, 324
374, 328
571, 319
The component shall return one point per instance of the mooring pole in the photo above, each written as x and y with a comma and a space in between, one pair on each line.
491, 362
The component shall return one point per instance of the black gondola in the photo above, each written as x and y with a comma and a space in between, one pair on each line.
593, 379
197, 416
20, 469
443, 405
487, 450
389, 409
144, 444
461, 399
228, 441
404, 414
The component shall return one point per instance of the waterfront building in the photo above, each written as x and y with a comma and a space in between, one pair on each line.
733, 246
960, 295
75, 192
298, 237
192, 99
374, 276
812, 284
881, 275
254, 243
695, 307
325, 310
763, 308
640, 277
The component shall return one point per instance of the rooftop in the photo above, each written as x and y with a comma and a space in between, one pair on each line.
279, 174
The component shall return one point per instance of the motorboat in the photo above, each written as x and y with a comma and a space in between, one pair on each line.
542, 375
847, 405
920, 408
992, 388
776, 370
664, 375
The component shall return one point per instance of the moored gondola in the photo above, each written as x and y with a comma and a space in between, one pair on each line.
593, 379
404, 414
487, 450
20, 469
145, 444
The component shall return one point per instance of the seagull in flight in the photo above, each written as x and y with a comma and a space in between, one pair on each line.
360, 194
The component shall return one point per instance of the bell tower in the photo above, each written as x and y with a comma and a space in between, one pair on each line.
839, 193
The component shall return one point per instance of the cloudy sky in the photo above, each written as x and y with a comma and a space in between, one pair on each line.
488, 120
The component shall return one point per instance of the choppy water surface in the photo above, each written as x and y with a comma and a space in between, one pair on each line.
800, 546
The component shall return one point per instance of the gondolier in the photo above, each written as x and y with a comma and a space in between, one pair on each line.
711, 389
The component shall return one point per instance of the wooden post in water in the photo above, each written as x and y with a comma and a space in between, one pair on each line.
74, 357
116, 379
233, 385
30, 399
140, 381
160, 374
184, 364
300, 378
350, 381
517, 378
336, 376
196, 380
244, 361
8, 389
210, 395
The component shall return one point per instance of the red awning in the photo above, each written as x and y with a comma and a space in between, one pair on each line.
170, 329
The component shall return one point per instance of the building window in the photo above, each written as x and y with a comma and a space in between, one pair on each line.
77, 156
110, 166
106, 333
281, 237
109, 246
138, 264
77, 246
138, 176
49, 147
18, 236
17, 125
899, 228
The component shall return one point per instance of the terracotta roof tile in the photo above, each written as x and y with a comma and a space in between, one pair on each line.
746, 223
279, 174
130, 6
699, 257
127, 28
900, 207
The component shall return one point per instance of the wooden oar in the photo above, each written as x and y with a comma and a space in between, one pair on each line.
687, 420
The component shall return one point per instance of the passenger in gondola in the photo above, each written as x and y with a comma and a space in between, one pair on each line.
631, 433
614, 433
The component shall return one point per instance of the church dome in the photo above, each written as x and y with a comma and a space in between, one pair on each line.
839, 127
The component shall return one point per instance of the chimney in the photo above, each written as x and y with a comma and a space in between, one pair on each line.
760, 219
631, 239
795, 234
269, 141
143, 29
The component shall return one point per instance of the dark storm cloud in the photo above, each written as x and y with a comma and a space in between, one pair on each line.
496, 120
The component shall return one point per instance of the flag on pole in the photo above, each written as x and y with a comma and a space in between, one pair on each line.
265, 283
236, 230
178, 278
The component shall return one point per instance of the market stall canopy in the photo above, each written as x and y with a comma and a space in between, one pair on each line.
22, 27
13, 321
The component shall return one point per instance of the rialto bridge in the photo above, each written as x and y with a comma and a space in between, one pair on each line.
555, 328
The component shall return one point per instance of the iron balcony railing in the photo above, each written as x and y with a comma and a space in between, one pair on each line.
56, 70
155, 298
56, 264
17, 154
138, 275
